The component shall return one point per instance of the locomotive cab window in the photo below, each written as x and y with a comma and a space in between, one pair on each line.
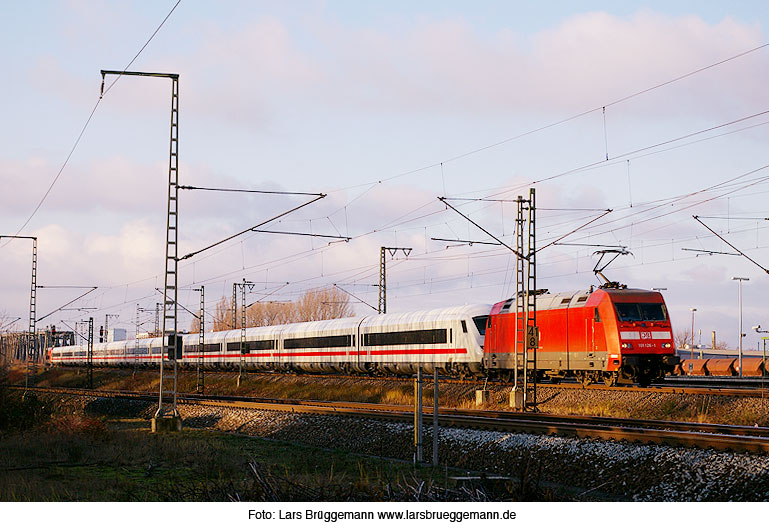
630, 312
481, 323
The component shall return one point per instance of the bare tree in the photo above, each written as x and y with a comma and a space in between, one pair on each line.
222, 315
271, 313
682, 338
315, 305
323, 304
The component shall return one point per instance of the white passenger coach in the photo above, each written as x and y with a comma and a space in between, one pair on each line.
449, 339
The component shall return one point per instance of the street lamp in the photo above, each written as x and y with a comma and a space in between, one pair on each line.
739, 297
692, 343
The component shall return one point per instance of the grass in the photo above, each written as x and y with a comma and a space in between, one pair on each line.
50, 456
87, 459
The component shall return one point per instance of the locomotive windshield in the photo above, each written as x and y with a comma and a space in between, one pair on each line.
629, 312
480, 323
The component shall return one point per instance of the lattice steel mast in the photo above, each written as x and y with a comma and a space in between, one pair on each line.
30, 348
242, 348
202, 341
90, 352
526, 336
170, 284
383, 273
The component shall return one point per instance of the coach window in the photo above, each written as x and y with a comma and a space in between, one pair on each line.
408, 337
318, 342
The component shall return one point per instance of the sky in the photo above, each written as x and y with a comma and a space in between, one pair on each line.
655, 110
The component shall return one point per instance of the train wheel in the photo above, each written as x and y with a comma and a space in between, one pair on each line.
610, 380
585, 379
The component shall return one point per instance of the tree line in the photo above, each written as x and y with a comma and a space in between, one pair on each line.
314, 305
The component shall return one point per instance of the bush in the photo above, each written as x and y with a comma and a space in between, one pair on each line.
78, 425
19, 411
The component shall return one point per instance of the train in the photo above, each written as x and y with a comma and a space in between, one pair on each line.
609, 334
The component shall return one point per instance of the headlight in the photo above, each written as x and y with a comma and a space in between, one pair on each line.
627, 345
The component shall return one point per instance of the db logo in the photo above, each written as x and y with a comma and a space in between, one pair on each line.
646, 335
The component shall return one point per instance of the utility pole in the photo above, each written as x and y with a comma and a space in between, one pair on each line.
435, 417
106, 325
693, 310
201, 340
740, 279
418, 416
168, 418
383, 273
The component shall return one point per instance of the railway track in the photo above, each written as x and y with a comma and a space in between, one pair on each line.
701, 435
722, 386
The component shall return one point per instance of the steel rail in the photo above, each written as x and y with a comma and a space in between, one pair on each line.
669, 387
708, 436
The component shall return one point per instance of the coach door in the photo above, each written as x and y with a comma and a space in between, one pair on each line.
276, 356
359, 354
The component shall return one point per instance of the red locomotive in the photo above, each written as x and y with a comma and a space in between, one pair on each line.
609, 334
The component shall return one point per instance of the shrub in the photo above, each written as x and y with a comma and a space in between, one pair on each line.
19, 411
78, 425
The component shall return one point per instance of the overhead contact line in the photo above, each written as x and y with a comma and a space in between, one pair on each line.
256, 191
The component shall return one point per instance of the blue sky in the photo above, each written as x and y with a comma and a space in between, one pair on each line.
335, 97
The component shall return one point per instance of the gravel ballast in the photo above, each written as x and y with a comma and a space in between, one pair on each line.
586, 469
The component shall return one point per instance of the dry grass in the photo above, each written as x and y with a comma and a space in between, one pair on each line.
77, 459
85, 426
553, 399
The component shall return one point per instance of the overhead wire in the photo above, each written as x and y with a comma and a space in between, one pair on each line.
85, 126
401, 221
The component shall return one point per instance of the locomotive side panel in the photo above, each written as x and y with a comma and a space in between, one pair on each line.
554, 333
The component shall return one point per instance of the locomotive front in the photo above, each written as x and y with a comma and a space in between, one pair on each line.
641, 333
